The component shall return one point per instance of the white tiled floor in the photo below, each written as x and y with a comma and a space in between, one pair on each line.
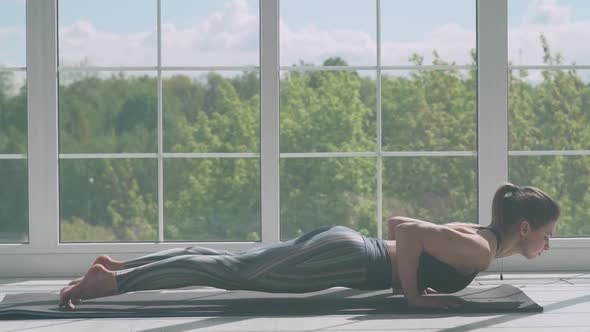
565, 297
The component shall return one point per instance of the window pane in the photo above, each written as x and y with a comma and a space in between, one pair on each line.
328, 111
107, 112
429, 110
549, 110
317, 32
565, 179
317, 192
12, 34
108, 200
437, 189
107, 33
212, 199
13, 112
210, 33
14, 202
438, 32
211, 112
563, 24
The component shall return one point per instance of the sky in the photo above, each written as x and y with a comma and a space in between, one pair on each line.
226, 32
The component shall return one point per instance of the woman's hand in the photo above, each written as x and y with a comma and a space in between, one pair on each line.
433, 302
430, 291
426, 291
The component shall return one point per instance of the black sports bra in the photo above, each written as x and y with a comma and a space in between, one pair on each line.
443, 277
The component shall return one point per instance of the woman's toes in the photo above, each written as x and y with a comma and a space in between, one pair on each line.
65, 301
75, 281
108, 262
97, 282
102, 260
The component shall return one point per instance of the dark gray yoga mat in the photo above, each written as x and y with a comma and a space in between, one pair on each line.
213, 302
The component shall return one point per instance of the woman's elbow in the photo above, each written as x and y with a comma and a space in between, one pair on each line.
398, 218
407, 228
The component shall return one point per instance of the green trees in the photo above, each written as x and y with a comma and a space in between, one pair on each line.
324, 111
13, 173
321, 111
430, 110
548, 110
13, 115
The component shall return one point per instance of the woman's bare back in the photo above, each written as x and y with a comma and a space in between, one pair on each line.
466, 228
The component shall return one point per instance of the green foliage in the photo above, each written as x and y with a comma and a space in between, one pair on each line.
13, 115
553, 115
14, 210
76, 230
321, 111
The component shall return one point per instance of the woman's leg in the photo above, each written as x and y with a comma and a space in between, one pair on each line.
165, 254
115, 265
328, 257
324, 258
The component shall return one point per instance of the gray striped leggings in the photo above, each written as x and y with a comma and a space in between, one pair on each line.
327, 257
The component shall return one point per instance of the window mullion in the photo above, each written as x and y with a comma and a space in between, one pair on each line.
160, 129
492, 101
379, 127
269, 120
43, 147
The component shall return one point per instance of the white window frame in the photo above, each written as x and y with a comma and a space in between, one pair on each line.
44, 256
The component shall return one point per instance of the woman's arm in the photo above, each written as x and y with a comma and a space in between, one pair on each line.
442, 242
409, 247
396, 221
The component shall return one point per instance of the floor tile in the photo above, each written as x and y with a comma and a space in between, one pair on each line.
579, 281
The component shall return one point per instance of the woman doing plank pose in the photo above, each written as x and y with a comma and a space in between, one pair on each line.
420, 258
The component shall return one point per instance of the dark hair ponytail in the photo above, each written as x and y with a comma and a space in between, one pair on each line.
512, 204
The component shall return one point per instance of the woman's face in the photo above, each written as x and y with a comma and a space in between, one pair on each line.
536, 241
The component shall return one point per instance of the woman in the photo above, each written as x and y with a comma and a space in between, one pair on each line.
423, 258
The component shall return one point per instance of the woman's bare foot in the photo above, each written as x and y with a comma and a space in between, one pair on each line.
107, 262
98, 282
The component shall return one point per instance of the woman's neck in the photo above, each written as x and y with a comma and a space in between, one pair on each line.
508, 247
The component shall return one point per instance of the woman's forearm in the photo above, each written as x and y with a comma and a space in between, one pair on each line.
409, 247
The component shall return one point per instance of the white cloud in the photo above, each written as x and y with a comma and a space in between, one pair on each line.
314, 45
11, 31
230, 37
451, 41
546, 12
82, 40
12, 46
563, 35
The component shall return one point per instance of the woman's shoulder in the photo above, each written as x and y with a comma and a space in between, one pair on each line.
471, 229
463, 227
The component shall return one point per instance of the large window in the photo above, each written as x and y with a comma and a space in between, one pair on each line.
362, 115
159, 121
14, 217
242, 122
549, 104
